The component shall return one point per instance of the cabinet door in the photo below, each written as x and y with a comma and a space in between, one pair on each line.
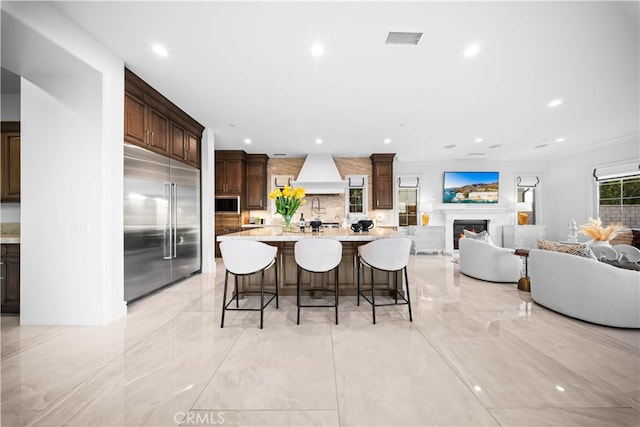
255, 193
10, 279
178, 147
383, 193
10, 167
221, 177
193, 150
134, 120
256, 185
234, 176
158, 131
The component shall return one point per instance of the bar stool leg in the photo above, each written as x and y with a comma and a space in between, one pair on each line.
373, 297
235, 290
406, 281
261, 298
224, 297
298, 293
358, 266
277, 285
336, 292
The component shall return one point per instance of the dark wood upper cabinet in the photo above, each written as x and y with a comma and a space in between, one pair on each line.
230, 171
10, 162
155, 123
382, 180
257, 181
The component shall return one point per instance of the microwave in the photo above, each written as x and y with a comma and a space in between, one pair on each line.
227, 205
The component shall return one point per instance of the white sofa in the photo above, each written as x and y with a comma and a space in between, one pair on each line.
485, 261
585, 288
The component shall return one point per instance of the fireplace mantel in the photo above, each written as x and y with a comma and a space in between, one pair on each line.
496, 215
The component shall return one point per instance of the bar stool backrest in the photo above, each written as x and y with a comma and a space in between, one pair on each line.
390, 254
246, 256
318, 255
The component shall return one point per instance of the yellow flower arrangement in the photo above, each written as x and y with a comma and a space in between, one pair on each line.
287, 201
593, 228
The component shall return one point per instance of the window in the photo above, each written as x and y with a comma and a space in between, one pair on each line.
526, 187
619, 201
407, 206
356, 197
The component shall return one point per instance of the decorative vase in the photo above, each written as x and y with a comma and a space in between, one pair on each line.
523, 218
425, 219
287, 222
600, 243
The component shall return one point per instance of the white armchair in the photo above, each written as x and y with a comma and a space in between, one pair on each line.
485, 261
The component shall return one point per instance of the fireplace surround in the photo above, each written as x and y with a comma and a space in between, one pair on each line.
475, 225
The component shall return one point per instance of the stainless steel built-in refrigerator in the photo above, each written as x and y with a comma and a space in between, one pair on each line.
161, 221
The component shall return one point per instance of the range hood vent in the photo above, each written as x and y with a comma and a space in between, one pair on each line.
319, 175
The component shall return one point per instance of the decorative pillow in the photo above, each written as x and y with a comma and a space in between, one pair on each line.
482, 236
579, 249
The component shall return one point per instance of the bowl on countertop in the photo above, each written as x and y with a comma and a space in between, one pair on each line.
315, 225
366, 224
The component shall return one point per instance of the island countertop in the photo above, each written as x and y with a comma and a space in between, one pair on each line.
275, 234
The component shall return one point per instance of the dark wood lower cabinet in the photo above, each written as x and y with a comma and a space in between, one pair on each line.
10, 278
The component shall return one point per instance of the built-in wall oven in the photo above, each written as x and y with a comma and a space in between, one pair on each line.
227, 205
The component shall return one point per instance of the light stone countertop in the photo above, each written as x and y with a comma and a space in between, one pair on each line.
10, 233
275, 234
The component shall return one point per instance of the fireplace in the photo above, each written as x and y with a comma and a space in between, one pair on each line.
475, 225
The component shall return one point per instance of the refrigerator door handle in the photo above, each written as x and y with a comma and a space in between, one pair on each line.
168, 229
174, 192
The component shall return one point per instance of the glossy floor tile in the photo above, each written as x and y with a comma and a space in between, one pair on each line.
477, 353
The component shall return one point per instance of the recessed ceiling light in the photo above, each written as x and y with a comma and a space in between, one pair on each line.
317, 50
247, 141
160, 50
561, 140
450, 146
471, 50
555, 103
318, 141
387, 141
479, 139
559, 388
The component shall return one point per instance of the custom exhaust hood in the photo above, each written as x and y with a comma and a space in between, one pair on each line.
319, 175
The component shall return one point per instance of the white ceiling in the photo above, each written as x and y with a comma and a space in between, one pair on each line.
245, 70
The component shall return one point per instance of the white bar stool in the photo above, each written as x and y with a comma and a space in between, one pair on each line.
317, 255
244, 258
390, 255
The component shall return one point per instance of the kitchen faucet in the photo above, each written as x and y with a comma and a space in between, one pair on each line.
317, 209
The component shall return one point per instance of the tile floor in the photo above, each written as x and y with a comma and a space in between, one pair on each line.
477, 353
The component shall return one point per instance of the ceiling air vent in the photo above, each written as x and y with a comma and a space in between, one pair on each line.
403, 37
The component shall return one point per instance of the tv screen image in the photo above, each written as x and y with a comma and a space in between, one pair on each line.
471, 187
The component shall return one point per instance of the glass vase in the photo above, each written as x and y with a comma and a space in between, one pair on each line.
287, 222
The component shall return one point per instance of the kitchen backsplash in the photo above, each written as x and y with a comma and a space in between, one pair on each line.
333, 206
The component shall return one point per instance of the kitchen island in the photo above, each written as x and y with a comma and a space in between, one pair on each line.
285, 242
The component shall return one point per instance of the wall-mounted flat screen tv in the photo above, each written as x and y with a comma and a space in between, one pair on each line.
471, 187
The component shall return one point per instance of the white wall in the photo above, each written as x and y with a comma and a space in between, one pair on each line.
566, 191
10, 107
432, 181
71, 201
573, 191
207, 177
